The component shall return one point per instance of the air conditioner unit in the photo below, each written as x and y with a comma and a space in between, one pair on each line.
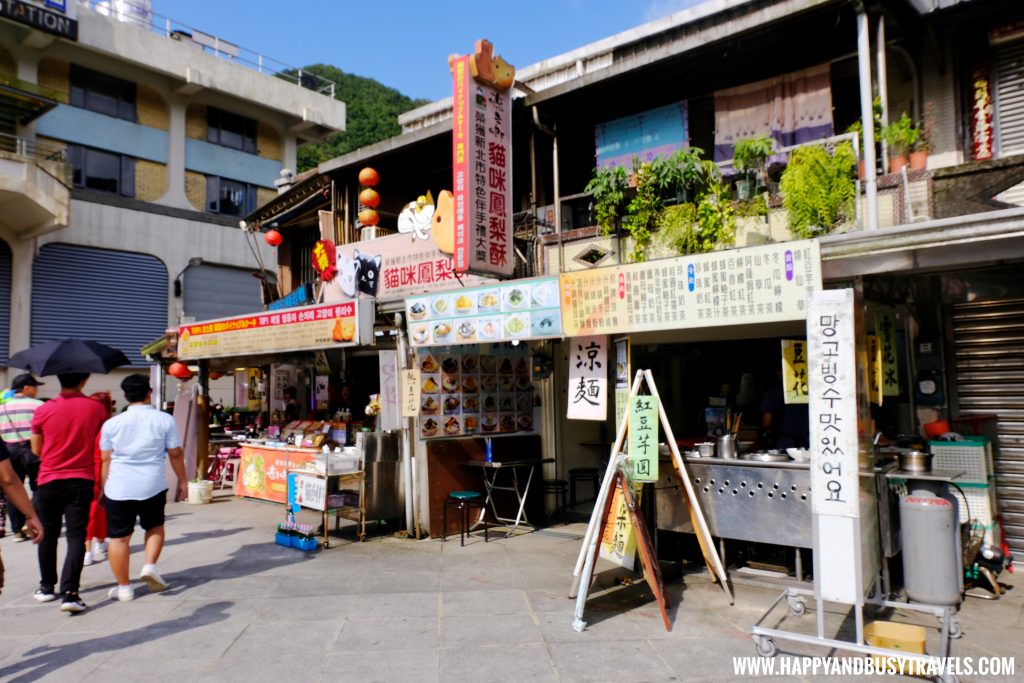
372, 232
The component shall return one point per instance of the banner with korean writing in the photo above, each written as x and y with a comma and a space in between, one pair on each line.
768, 283
296, 329
643, 437
481, 174
588, 378
833, 403
885, 330
794, 370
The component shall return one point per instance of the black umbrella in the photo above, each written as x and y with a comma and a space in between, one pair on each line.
68, 355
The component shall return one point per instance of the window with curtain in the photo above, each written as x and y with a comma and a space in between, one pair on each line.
229, 197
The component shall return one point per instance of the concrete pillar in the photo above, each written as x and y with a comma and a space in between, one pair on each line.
175, 195
22, 256
290, 151
27, 66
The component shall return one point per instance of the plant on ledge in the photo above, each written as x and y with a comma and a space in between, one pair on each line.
699, 228
652, 179
818, 189
749, 157
901, 136
608, 187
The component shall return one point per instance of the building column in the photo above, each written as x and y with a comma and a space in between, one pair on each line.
175, 195
22, 256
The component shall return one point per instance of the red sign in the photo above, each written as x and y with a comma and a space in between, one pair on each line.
482, 174
981, 114
324, 260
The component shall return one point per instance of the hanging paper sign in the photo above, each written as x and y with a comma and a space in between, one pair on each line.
622, 374
307, 490
874, 362
324, 256
618, 538
982, 139
410, 392
388, 418
794, 370
321, 393
885, 329
588, 379
643, 437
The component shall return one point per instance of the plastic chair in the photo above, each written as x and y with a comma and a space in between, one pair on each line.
464, 501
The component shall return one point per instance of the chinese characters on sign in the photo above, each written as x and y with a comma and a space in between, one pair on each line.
794, 370
588, 378
618, 539
410, 392
622, 375
768, 283
308, 491
324, 258
981, 114
388, 418
482, 174
833, 404
643, 437
874, 369
885, 330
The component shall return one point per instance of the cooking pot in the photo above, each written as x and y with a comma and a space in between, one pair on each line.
915, 461
706, 449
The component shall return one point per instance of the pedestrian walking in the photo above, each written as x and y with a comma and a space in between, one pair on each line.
96, 532
134, 445
64, 433
16, 433
14, 491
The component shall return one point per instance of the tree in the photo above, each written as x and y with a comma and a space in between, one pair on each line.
372, 111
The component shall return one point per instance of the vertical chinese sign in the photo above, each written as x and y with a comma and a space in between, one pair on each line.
643, 437
982, 137
794, 370
885, 330
874, 369
834, 459
482, 170
588, 379
411, 393
388, 418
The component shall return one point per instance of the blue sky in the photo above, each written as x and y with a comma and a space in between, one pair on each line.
404, 43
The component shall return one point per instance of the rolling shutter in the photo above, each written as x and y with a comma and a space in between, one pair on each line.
219, 292
988, 339
5, 301
113, 297
1010, 99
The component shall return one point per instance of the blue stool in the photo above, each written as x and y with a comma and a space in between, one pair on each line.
464, 501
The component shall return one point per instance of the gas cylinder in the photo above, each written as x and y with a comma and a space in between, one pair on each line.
930, 538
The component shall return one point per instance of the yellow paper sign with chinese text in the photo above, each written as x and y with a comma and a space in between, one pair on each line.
874, 369
794, 371
885, 330
618, 538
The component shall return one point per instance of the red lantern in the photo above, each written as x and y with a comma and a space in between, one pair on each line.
216, 375
368, 177
179, 370
368, 217
273, 238
369, 198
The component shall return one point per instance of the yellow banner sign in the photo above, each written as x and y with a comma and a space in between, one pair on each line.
794, 371
874, 369
885, 330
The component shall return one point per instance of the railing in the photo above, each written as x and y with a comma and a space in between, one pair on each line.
38, 150
142, 15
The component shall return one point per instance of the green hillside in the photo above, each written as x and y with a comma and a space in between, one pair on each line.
372, 111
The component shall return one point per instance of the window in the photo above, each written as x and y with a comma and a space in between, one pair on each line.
230, 130
101, 93
229, 197
104, 171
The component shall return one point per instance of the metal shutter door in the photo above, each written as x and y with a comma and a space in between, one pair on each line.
114, 297
988, 342
1010, 99
5, 301
219, 292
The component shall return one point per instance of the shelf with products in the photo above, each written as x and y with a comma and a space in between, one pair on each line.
332, 493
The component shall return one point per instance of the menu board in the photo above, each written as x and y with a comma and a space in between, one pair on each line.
474, 391
523, 309
767, 283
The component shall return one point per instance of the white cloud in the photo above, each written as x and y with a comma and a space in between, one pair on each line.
656, 9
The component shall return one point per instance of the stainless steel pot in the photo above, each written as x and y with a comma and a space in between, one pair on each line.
915, 461
727, 446
706, 449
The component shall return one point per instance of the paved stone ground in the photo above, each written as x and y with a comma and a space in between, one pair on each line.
241, 608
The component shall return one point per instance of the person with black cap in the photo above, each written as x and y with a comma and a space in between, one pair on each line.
16, 433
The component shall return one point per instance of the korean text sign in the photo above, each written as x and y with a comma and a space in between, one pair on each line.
643, 437
833, 404
481, 174
588, 378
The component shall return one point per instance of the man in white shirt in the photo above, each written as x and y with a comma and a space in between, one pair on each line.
133, 445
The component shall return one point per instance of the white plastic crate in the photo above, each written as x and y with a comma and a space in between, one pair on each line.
982, 508
973, 458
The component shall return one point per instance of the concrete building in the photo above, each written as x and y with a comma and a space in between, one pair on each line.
132, 146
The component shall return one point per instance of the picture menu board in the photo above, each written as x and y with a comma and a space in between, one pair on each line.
523, 309
768, 283
474, 390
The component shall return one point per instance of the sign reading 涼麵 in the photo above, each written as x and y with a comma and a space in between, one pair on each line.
588, 379
295, 329
767, 283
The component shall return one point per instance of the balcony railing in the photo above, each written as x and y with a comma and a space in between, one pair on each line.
141, 15
37, 150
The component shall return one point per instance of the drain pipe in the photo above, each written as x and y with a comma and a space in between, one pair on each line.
867, 115
554, 172
881, 64
411, 519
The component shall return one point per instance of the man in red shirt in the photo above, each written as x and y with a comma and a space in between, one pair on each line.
64, 431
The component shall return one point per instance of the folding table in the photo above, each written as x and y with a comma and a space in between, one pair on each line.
490, 471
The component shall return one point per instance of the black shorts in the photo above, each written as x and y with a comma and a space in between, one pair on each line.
121, 514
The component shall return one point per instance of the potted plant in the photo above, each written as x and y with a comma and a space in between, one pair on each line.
919, 153
749, 157
687, 173
608, 187
858, 127
652, 178
699, 228
818, 189
901, 136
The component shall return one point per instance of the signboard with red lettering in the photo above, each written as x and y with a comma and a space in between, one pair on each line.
294, 329
482, 174
324, 258
982, 142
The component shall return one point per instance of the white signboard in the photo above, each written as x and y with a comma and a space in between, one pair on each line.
411, 393
310, 491
588, 378
388, 418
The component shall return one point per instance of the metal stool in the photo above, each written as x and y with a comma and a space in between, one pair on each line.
578, 474
560, 489
464, 501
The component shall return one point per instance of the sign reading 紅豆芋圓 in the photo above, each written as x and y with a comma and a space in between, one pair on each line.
762, 284
295, 329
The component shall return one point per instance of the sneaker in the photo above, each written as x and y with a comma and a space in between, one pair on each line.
72, 603
122, 593
44, 595
152, 579
21, 536
98, 553
88, 559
